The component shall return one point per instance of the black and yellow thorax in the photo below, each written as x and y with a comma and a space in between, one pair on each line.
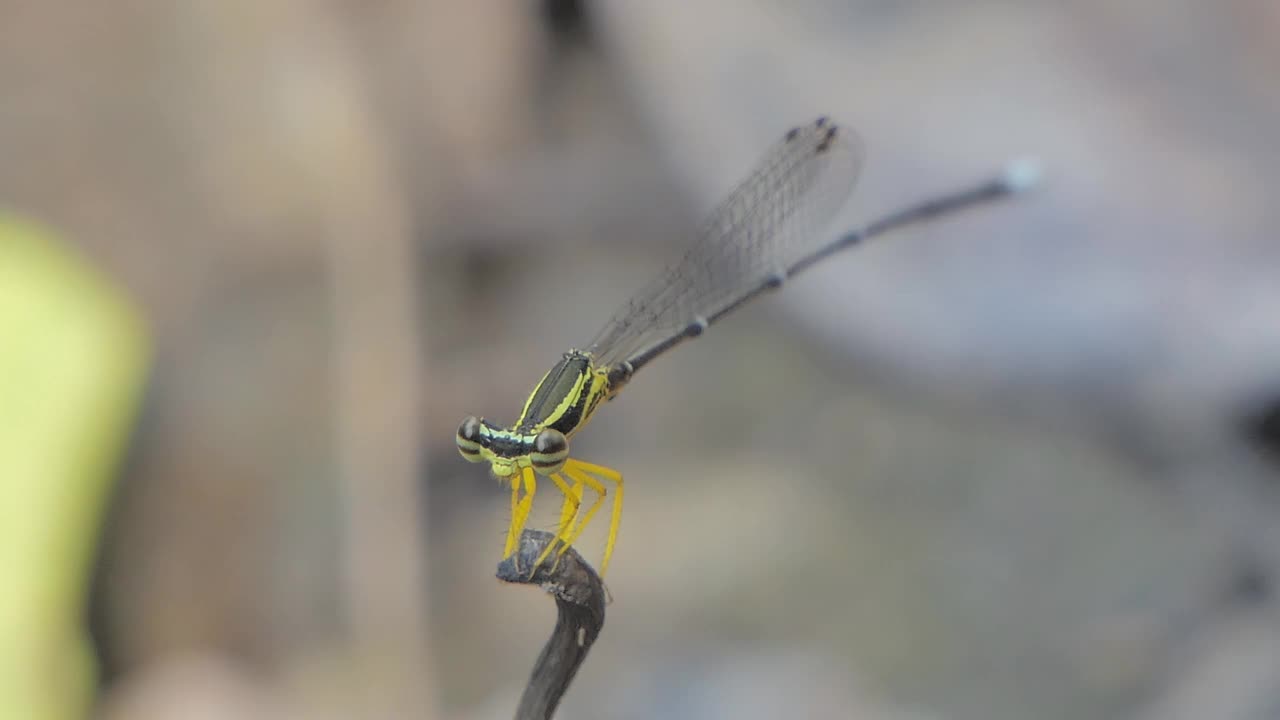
561, 403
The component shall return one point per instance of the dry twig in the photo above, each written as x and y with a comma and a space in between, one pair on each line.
580, 601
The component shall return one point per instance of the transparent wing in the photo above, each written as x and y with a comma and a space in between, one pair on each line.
773, 218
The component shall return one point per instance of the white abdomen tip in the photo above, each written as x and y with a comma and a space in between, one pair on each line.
1022, 174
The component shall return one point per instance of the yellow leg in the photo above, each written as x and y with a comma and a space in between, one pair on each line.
520, 515
579, 470
600, 491
568, 514
572, 502
511, 529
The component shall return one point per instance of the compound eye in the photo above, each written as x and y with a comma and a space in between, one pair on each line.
469, 439
550, 450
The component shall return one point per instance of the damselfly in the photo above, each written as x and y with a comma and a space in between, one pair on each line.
766, 231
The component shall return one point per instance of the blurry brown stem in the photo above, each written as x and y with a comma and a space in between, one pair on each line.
580, 598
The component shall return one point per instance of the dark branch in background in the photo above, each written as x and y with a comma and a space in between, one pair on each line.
567, 21
1262, 425
580, 599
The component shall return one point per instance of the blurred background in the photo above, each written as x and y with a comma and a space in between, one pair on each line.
1024, 463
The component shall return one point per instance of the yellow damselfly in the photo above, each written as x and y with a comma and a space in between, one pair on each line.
765, 232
